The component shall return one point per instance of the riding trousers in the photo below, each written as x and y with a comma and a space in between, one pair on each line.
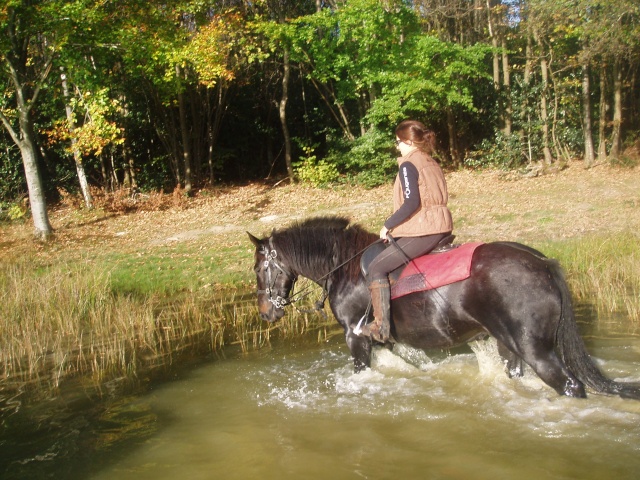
391, 257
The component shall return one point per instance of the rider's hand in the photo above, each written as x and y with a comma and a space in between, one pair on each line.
383, 233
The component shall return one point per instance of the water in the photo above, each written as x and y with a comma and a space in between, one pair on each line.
295, 412
301, 412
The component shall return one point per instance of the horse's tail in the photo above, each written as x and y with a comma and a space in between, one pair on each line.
573, 351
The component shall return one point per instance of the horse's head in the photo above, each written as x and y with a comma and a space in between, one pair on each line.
275, 280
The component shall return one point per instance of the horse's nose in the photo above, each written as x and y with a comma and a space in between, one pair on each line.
264, 316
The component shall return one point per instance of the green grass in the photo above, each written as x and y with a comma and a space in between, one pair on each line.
180, 268
504, 218
545, 220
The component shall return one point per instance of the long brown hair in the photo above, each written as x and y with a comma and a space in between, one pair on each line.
418, 134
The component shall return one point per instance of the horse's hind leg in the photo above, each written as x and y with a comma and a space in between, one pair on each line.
513, 362
551, 370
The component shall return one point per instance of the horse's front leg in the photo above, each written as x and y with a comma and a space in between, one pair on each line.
349, 305
360, 348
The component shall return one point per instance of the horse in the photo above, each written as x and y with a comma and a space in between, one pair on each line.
513, 293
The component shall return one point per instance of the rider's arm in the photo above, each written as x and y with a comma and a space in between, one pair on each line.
409, 179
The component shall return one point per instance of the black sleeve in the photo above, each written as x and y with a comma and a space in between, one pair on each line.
409, 180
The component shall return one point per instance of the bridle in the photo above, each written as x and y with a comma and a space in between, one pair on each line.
270, 255
280, 301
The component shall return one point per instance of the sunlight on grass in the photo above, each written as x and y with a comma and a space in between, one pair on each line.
180, 268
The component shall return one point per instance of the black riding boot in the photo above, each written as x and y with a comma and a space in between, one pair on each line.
379, 329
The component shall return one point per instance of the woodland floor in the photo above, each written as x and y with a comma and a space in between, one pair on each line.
486, 205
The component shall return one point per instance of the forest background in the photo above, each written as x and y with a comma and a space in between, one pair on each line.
177, 96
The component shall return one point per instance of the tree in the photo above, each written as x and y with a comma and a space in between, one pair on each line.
217, 53
160, 93
593, 33
345, 52
77, 155
27, 50
35, 35
589, 152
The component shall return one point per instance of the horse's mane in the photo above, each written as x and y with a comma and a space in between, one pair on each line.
319, 244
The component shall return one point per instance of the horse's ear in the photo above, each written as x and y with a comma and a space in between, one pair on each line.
254, 240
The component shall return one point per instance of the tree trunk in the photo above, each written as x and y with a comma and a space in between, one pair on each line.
506, 83
525, 132
589, 154
186, 138
129, 161
632, 96
478, 21
77, 156
115, 183
453, 138
214, 124
283, 114
602, 122
544, 115
616, 135
28, 150
106, 176
494, 44
25, 139
496, 59
37, 198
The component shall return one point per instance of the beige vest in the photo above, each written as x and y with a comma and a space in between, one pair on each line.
433, 216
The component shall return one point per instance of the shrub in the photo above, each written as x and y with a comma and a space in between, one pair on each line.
369, 160
315, 172
504, 151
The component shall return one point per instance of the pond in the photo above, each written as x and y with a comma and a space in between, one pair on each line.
299, 411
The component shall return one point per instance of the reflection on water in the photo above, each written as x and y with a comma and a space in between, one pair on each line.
303, 413
300, 412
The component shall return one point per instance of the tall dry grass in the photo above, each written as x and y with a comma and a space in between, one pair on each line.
604, 272
65, 320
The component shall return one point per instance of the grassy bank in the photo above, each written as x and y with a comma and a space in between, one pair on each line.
114, 294
65, 320
603, 271
68, 319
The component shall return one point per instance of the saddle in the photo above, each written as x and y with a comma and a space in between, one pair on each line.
445, 264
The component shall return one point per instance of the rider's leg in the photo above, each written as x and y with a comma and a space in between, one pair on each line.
380, 328
387, 261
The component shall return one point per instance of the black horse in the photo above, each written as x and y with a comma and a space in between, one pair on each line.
514, 293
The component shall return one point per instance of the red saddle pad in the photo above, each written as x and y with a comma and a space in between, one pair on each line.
436, 270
